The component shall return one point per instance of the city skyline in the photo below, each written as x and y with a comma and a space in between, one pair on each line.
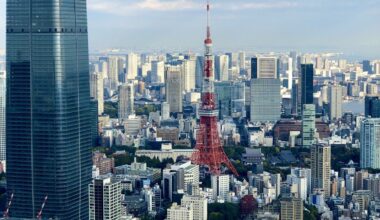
150, 124
283, 25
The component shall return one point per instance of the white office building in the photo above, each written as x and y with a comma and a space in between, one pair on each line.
289, 72
301, 184
176, 212
165, 111
264, 68
158, 72
221, 67
97, 90
105, 199
113, 72
132, 125
302, 172
132, 60
188, 78
190, 173
220, 186
199, 205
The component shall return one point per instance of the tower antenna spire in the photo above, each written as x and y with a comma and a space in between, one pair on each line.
208, 19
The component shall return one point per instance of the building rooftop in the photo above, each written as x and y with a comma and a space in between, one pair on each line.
128, 170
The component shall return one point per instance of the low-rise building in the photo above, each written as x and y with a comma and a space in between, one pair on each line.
136, 172
176, 212
104, 164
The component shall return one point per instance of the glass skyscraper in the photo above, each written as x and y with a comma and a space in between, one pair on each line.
306, 102
372, 106
305, 87
306, 83
367, 66
2, 115
230, 99
370, 143
308, 125
268, 108
48, 108
264, 83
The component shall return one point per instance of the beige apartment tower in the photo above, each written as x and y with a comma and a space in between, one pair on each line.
291, 209
320, 167
173, 80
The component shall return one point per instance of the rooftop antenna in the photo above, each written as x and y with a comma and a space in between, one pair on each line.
208, 19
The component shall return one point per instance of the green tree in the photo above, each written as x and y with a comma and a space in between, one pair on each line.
228, 211
147, 217
123, 159
234, 152
216, 216
165, 162
310, 212
341, 155
111, 109
146, 109
241, 168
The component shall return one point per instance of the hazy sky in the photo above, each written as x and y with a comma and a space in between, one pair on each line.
349, 26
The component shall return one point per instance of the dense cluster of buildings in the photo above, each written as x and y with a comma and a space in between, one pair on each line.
302, 107
49, 124
278, 100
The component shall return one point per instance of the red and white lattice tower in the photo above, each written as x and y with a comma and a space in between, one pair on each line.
209, 151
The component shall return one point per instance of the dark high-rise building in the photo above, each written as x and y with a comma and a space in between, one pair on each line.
254, 68
295, 99
367, 66
372, 106
306, 79
278, 68
94, 122
2, 115
48, 108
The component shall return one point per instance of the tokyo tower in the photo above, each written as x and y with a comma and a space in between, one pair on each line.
209, 151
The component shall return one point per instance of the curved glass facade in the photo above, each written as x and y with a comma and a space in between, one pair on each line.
48, 108
2, 115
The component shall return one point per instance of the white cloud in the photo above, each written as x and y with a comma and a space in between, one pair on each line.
125, 7
265, 5
160, 5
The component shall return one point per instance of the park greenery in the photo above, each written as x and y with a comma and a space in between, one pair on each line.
111, 109
310, 212
146, 109
223, 211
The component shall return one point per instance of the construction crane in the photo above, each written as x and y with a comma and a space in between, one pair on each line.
6, 212
39, 214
